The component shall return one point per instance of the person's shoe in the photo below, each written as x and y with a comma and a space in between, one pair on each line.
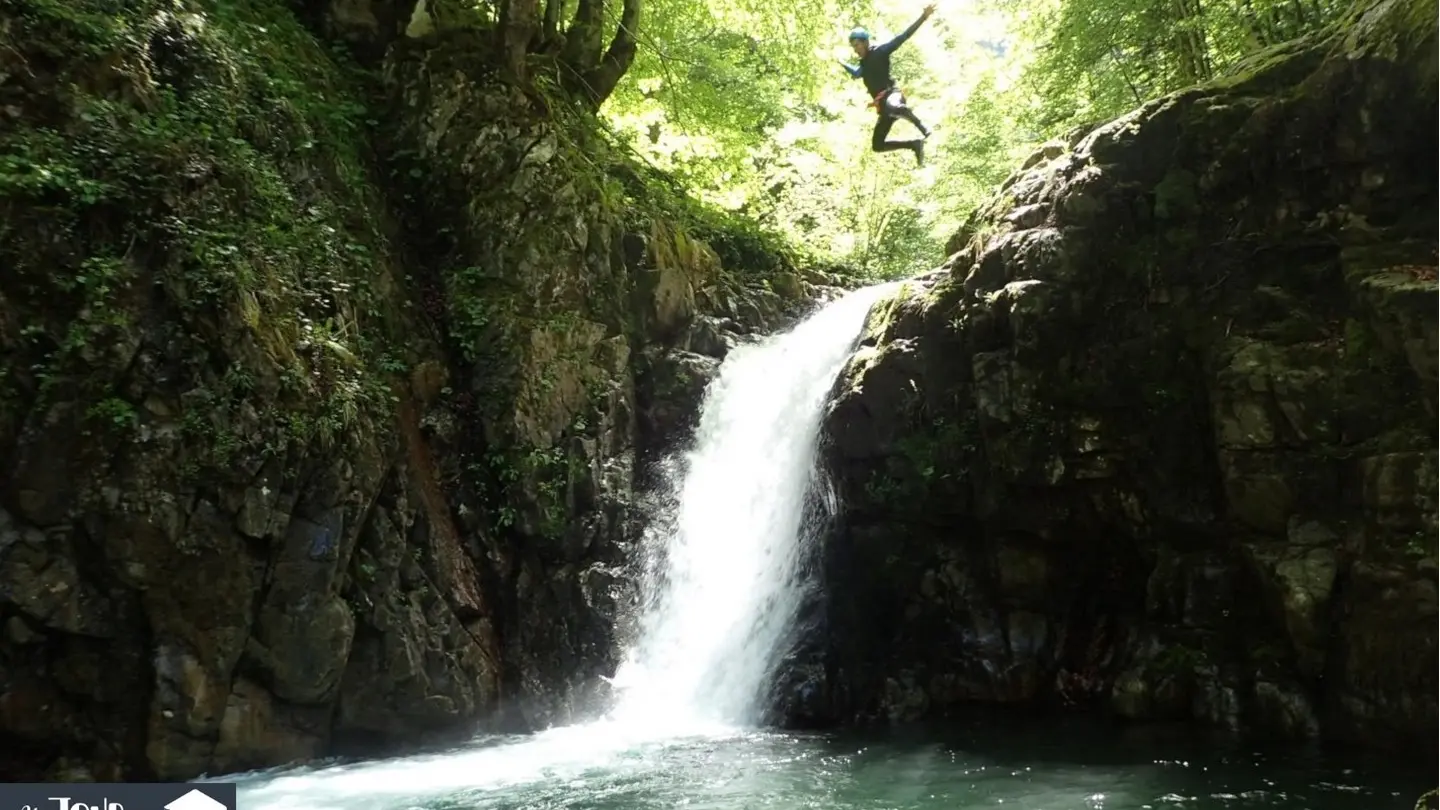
920, 154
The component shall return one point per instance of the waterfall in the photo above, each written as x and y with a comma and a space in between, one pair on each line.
722, 592
724, 586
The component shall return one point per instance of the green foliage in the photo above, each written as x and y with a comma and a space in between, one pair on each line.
112, 411
747, 107
991, 147
529, 489
712, 81
210, 152
1091, 60
746, 247
762, 121
1176, 661
929, 461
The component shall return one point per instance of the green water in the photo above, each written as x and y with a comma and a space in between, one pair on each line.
999, 764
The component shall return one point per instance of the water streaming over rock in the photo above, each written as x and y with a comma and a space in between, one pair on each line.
721, 596
723, 590
724, 594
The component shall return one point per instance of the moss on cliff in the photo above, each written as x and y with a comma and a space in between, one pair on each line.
293, 509
196, 309
552, 258
203, 164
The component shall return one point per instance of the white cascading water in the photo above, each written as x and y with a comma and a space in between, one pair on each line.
722, 596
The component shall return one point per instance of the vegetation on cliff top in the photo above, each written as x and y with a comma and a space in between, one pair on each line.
218, 154
756, 115
754, 121
202, 162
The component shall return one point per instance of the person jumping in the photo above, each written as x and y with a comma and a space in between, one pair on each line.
886, 98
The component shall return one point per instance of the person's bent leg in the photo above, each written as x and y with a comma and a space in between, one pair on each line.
879, 144
909, 115
877, 138
896, 106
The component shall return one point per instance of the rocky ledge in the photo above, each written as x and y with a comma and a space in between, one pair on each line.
326, 389
1160, 437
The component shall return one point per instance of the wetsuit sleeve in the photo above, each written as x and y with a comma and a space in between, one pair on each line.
853, 71
887, 47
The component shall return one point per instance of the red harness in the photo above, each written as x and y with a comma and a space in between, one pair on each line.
880, 97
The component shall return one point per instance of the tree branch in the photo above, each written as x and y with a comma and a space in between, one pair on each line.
600, 82
586, 34
550, 27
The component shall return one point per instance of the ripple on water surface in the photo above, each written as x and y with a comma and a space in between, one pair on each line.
605, 767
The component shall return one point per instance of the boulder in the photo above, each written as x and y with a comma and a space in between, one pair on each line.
1160, 435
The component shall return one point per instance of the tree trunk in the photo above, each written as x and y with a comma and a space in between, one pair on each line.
1188, 42
587, 69
585, 37
519, 20
1255, 25
1206, 64
550, 26
601, 80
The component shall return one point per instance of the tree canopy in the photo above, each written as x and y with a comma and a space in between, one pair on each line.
746, 103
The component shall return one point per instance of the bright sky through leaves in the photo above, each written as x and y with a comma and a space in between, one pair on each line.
745, 101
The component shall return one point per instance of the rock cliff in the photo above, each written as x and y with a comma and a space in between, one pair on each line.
1161, 435
326, 379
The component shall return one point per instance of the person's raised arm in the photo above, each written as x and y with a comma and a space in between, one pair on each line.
904, 35
852, 70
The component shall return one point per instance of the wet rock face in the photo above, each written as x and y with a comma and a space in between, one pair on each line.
316, 480
219, 542
585, 359
244, 634
1160, 437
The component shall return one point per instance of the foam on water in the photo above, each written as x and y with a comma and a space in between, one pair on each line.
725, 594
722, 590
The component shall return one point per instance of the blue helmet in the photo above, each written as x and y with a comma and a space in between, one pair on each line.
860, 34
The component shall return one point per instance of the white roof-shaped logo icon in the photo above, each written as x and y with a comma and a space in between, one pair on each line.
195, 800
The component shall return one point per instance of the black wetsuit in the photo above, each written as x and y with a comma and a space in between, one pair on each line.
874, 69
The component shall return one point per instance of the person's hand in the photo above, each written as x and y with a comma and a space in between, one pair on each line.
929, 9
